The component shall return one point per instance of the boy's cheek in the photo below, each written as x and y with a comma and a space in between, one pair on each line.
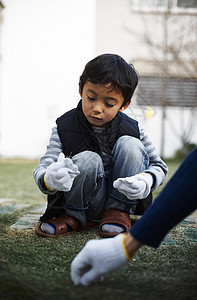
111, 115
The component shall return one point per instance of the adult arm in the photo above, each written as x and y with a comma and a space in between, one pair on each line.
176, 201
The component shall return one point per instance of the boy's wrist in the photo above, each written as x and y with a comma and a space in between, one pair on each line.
41, 180
153, 178
45, 184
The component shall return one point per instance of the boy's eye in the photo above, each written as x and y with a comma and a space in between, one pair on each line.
109, 105
91, 99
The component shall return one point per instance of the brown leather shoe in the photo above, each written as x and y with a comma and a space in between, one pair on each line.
116, 217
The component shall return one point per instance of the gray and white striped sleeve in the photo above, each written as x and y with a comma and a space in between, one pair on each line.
157, 166
53, 150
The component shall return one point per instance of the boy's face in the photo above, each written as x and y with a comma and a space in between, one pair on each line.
100, 103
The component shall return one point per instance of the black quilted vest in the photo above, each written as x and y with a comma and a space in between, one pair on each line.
77, 135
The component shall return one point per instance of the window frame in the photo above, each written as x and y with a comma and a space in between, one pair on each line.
136, 6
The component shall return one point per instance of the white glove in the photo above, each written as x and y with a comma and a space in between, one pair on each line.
135, 187
60, 175
97, 258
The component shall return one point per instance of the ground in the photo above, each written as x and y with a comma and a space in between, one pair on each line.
32, 267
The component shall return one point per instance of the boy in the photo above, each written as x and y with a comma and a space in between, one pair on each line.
99, 165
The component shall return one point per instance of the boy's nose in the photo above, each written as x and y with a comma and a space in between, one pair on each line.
98, 108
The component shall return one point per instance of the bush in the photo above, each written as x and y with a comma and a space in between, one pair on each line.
180, 154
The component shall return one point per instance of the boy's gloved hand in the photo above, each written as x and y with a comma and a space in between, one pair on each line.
135, 187
59, 176
97, 258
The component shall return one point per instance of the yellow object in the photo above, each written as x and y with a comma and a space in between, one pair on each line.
125, 250
149, 112
47, 185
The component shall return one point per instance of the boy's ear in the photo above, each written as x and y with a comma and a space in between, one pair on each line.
80, 89
125, 106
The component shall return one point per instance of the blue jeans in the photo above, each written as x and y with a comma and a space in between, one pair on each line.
92, 193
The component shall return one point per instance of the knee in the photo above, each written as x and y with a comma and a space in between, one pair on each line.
131, 147
88, 161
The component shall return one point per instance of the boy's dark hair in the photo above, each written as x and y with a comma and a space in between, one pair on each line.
111, 68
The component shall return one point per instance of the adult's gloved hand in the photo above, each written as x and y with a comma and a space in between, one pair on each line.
135, 187
97, 258
60, 175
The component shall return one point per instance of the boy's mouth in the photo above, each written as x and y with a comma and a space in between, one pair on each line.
95, 118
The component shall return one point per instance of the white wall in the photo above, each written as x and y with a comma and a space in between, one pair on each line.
45, 46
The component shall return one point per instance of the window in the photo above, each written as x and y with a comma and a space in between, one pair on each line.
189, 6
153, 3
179, 92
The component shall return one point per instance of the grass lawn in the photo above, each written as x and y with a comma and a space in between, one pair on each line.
32, 267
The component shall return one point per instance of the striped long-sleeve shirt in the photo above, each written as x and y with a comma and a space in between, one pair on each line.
157, 166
